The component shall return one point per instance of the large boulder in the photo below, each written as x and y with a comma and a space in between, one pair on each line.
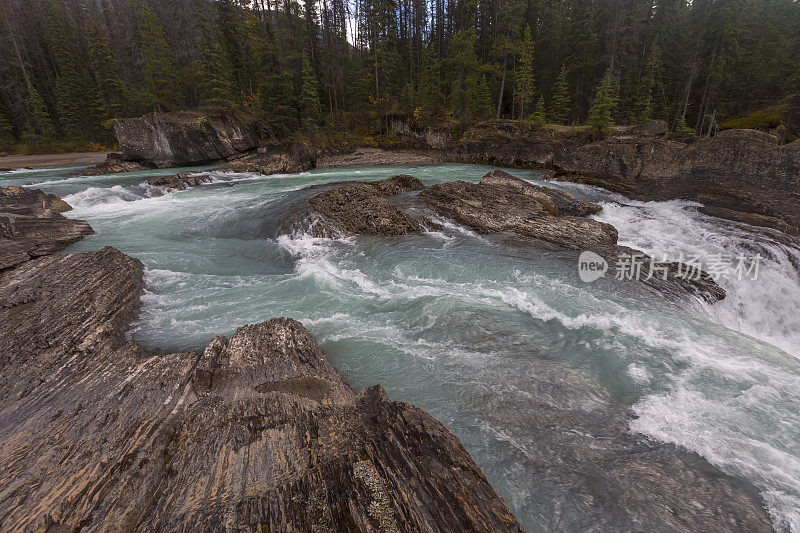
185, 138
362, 208
502, 203
31, 225
257, 433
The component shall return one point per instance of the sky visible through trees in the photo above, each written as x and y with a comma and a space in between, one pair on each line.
69, 66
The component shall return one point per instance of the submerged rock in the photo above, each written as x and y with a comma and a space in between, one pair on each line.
259, 432
362, 208
185, 138
179, 181
31, 225
737, 170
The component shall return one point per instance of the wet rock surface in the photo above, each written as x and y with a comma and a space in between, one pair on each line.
737, 170
179, 181
502, 203
113, 164
31, 225
362, 208
279, 159
257, 432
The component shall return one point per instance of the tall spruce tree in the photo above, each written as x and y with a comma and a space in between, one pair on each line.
525, 83
161, 88
561, 106
601, 114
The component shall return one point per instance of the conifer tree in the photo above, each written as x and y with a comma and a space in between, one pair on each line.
39, 121
112, 93
161, 89
561, 107
215, 89
525, 76
539, 114
601, 114
309, 97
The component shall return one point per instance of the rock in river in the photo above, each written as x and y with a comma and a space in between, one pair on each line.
362, 208
31, 225
178, 182
554, 219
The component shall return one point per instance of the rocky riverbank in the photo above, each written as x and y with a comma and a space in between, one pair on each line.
739, 174
257, 432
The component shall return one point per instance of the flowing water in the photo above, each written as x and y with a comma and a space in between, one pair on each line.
502, 343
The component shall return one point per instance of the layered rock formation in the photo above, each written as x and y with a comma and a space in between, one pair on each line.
178, 182
31, 225
362, 208
277, 159
504, 203
114, 163
503, 143
259, 432
742, 171
185, 138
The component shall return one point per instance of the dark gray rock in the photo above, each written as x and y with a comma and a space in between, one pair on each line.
362, 208
178, 182
185, 138
277, 159
737, 170
503, 143
554, 219
113, 164
259, 432
31, 225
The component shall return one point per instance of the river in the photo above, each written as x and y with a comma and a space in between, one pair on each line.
503, 343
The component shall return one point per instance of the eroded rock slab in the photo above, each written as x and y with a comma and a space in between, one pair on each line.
178, 182
257, 433
280, 159
31, 225
504, 203
114, 164
362, 208
737, 170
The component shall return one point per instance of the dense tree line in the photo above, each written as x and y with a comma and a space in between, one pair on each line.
69, 66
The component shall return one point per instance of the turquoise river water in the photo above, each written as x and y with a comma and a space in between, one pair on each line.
498, 341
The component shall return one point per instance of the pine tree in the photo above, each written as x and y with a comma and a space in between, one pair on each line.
309, 97
39, 121
161, 89
525, 76
6, 127
113, 95
601, 114
539, 114
215, 90
561, 107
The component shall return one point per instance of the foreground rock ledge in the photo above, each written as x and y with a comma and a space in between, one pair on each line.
31, 225
258, 433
